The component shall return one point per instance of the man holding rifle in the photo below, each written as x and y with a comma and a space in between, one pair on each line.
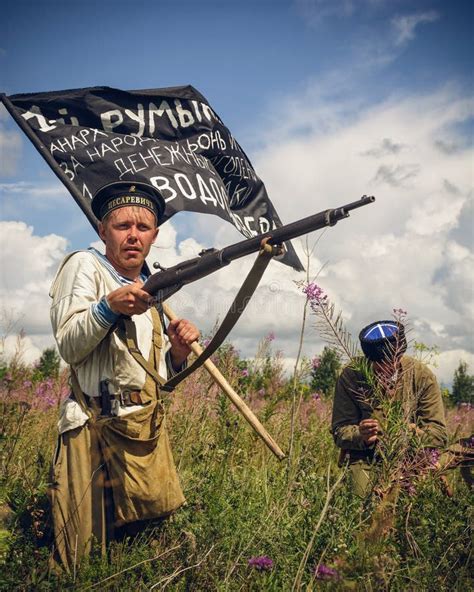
113, 466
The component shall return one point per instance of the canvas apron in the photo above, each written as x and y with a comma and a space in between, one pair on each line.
137, 452
113, 469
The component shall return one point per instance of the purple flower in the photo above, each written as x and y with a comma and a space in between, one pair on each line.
46, 397
432, 456
261, 392
271, 336
323, 572
8, 377
316, 397
206, 342
245, 372
49, 401
27, 383
262, 563
315, 294
316, 362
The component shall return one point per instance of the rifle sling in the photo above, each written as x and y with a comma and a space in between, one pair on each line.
233, 314
126, 329
127, 332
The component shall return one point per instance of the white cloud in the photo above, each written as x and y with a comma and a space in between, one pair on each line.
29, 263
37, 197
375, 39
405, 26
22, 187
19, 348
410, 249
448, 361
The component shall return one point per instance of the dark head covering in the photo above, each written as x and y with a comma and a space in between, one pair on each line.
382, 340
119, 194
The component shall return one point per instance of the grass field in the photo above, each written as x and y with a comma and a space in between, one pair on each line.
250, 522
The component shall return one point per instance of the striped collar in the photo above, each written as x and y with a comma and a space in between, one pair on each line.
111, 269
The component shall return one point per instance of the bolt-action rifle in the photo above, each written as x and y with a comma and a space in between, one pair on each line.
167, 282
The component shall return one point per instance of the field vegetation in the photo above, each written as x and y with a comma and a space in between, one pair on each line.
250, 521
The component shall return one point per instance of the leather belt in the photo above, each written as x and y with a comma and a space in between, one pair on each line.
126, 399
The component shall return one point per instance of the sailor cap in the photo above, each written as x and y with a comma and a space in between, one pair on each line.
118, 195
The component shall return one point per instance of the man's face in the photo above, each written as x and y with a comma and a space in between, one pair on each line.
386, 368
128, 234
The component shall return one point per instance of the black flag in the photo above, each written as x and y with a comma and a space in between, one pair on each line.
168, 137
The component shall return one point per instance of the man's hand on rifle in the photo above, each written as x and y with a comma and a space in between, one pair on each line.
130, 300
181, 333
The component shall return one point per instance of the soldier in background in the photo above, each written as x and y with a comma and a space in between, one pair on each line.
356, 410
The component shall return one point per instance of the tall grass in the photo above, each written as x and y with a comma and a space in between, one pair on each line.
249, 523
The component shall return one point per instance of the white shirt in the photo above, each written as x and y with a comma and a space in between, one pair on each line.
84, 338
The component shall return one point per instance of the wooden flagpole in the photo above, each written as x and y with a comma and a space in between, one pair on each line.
232, 395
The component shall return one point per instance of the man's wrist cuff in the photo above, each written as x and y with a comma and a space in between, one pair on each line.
103, 314
171, 369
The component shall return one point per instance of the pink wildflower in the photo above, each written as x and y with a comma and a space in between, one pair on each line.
431, 456
262, 563
315, 295
45, 394
313, 291
323, 572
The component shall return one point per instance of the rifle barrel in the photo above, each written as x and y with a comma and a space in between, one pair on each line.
363, 201
171, 280
293, 230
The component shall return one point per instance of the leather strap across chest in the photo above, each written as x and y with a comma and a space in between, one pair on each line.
127, 332
126, 329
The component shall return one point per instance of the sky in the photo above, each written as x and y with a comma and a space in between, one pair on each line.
330, 99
